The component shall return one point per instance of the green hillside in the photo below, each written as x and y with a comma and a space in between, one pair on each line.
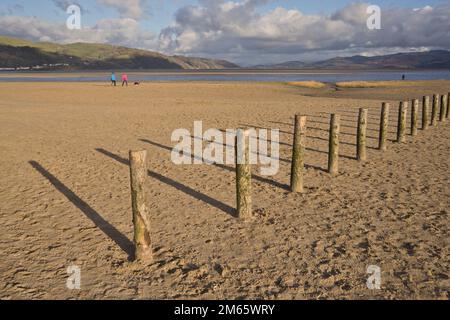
17, 53
15, 42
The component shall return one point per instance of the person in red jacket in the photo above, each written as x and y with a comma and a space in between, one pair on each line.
124, 79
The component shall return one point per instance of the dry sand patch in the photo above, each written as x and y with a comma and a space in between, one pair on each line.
65, 197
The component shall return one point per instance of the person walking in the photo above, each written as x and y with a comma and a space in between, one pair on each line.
113, 79
124, 79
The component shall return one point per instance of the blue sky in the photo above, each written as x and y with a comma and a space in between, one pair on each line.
255, 32
162, 11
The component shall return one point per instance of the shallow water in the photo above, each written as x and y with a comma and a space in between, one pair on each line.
256, 76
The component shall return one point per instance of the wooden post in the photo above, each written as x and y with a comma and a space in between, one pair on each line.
414, 117
384, 125
333, 155
298, 154
243, 175
425, 113
447, 112
442, 116
434, 111
361, 144
403, 111
138, 173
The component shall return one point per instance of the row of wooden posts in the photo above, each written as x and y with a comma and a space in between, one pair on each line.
138, 160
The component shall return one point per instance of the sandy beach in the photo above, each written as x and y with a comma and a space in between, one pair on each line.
65, 196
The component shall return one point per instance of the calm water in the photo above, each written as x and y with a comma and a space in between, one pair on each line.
259, 76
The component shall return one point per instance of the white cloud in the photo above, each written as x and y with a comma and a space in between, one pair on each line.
124, 31
236, 30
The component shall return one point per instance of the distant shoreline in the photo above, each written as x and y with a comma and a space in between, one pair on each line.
247, 75
243, 71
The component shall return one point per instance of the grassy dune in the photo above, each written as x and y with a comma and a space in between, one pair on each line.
379, 84
308, 84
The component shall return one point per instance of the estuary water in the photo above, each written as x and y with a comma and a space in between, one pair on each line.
227, 75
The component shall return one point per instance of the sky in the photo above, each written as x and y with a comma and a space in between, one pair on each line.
247, 32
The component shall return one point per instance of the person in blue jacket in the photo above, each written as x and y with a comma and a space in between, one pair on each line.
113, 79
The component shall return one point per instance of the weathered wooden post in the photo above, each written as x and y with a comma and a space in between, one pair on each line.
442, 116
425, 113
447, 113
402, 113
384, 125
138, 173
434, 111
361, 144
298, 154
333, 154
414, 117
243, 175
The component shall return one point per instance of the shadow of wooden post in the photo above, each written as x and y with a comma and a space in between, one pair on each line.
109, 230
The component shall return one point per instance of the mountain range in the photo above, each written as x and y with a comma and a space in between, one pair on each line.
438, 59
18, 54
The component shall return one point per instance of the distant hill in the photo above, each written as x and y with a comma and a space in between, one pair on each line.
22, 54
283, 65
438, 59
18, 53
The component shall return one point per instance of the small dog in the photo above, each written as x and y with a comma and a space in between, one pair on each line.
137, 83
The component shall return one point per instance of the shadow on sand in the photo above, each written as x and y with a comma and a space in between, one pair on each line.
120, 239
177, 185
222, 166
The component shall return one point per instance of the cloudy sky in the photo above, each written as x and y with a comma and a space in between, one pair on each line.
246, 32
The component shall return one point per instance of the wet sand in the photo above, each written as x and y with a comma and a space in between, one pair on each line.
65, 197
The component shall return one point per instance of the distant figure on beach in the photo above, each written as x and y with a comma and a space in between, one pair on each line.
403, 77
113, 79
124, 79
